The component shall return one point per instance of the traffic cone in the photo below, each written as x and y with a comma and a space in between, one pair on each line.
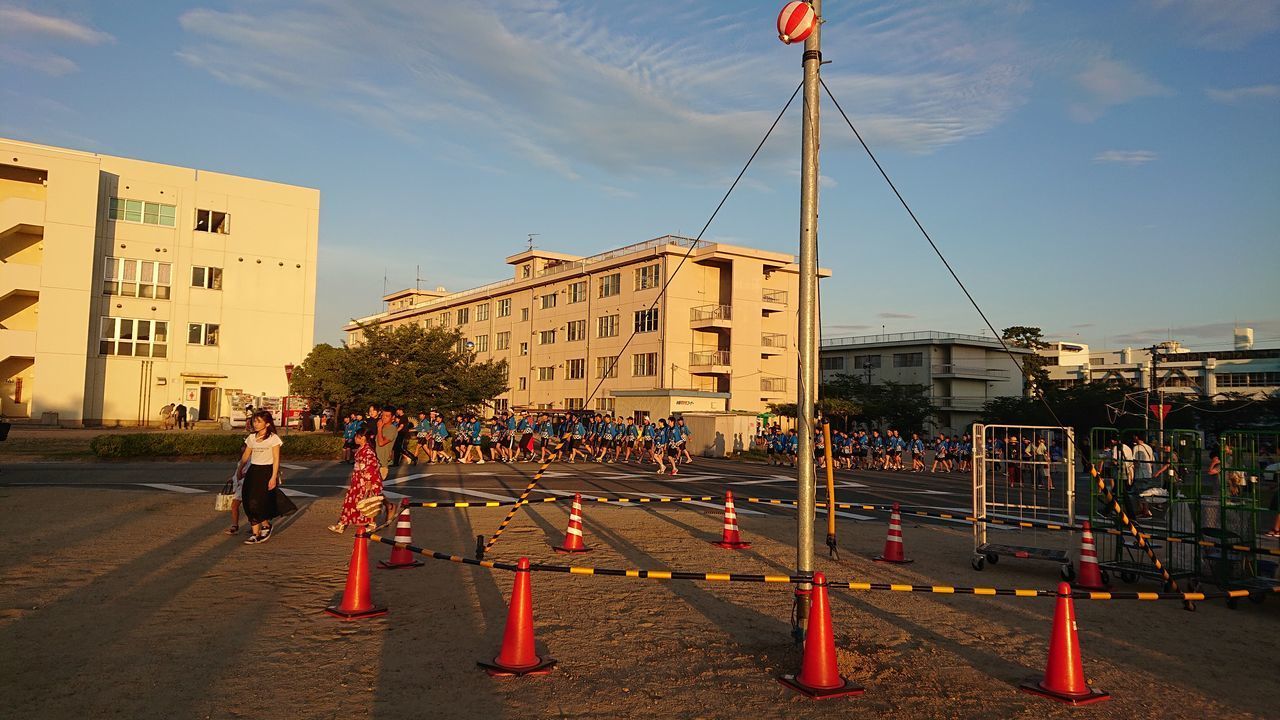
1089, 576
357, 602
819, 676
1064, 674
402, 557
517, 656
893, 541
731, 539
573, 536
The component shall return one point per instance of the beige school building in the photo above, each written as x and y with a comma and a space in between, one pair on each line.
599, 332
127, 285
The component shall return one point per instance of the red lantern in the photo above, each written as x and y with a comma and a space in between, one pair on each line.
796, 21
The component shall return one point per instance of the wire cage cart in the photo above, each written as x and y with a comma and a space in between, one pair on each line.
1240, 506
1161, 496
1023, 473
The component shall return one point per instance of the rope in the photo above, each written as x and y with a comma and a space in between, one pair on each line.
505, 503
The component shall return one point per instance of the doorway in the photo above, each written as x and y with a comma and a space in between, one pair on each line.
209, 403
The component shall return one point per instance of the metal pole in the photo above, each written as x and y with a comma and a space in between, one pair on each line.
807, 491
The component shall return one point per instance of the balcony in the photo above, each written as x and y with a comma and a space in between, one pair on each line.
21, 215
969, 372
774, 300
711, 317
18, 278
17, 343
773, 343
773, 386
959, 404
711, 362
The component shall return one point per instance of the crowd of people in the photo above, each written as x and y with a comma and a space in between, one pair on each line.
871, 450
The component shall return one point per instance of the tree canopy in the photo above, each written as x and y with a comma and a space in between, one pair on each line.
848, 398
1030, 337
408, 365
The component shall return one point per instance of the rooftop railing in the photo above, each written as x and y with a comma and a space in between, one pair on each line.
904, 337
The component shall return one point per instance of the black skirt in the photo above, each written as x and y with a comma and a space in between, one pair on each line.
260, 503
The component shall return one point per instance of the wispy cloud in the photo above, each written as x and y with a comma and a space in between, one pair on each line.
1220, 333
47, 63
22, 22
1235, 95
1106, 83
1124, 157
895, 316
1218, 25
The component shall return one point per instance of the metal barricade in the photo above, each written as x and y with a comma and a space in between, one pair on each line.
1240, 505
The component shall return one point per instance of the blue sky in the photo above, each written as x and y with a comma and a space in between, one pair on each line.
1107, 171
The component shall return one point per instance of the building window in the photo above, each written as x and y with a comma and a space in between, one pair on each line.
860, 361
444, 319
137, 278
504, 307
213, 221
522, 383
482, 312
610, 285
549, 300
606, 367
526, 271
607, 326
901, 360
482, 343
575, 369
1254, 379
136, 338
644, 364
546, 374
501, 405
647, 277
647, 320
206, 277
202, 334
547, 337
139, 211
573, 404
464, 316
524, 348
578, 292
502, 341
832, 363
576, 330
606, 405
524, 314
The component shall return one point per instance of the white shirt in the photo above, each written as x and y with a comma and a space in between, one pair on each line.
1143, 458
261, 449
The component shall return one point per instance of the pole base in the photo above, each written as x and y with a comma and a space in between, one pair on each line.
883, 559
542, 667
846, 690
571, 551
383, 564
1036, 687
732, 545
341, 614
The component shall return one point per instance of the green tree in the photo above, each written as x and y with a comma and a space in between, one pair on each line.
904, 406
1029, 337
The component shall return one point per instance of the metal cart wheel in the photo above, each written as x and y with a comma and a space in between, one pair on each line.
993, 558
1068, 572
1106, 577
1257, 598
1128, 576
1232, 603
978, 562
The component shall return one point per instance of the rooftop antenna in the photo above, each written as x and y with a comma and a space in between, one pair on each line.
417, 277
384, 280
531, 237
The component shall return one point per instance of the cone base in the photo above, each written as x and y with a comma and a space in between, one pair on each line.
386, 565
846, 690
731, 545
1036, 687
542, 667
903, 561
571, 551
1082, 586
341, 614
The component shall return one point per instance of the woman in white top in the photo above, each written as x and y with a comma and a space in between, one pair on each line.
260, 468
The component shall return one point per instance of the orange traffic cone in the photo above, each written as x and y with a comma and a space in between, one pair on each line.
893, 541
731, 539
1089, 576
573, 536
518, 656
1064, 675
819, 676
357, 601
401, 556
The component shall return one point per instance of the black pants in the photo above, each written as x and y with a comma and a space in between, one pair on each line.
260, 503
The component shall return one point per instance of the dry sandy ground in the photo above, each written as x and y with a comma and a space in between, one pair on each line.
133, 605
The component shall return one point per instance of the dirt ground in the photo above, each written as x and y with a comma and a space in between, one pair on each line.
134, 605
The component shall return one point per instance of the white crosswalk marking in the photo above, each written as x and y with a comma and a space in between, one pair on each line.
295, 493
293, 467
171, 488
765, 481
585, 496
739, 510
405, 479
392, 495
475, 493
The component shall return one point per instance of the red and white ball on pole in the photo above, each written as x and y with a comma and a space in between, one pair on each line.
796, 22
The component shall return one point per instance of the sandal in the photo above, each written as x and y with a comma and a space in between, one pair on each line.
339, 529
233, 530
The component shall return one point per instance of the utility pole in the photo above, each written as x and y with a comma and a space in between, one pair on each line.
806, 494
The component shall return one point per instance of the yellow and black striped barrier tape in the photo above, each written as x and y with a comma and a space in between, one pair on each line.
505, 503
849, 585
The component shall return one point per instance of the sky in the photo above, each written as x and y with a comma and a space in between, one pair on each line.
1109, 172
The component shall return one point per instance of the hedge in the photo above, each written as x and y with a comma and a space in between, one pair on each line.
135, 445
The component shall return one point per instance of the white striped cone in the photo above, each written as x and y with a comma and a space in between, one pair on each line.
1089, 575
730, 538
573, 535
893, 551
402, 557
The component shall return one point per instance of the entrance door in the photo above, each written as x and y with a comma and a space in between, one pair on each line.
208, 403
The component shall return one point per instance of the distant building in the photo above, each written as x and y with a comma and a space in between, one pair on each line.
1249, 372
128, 285
962, 372
721, 338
